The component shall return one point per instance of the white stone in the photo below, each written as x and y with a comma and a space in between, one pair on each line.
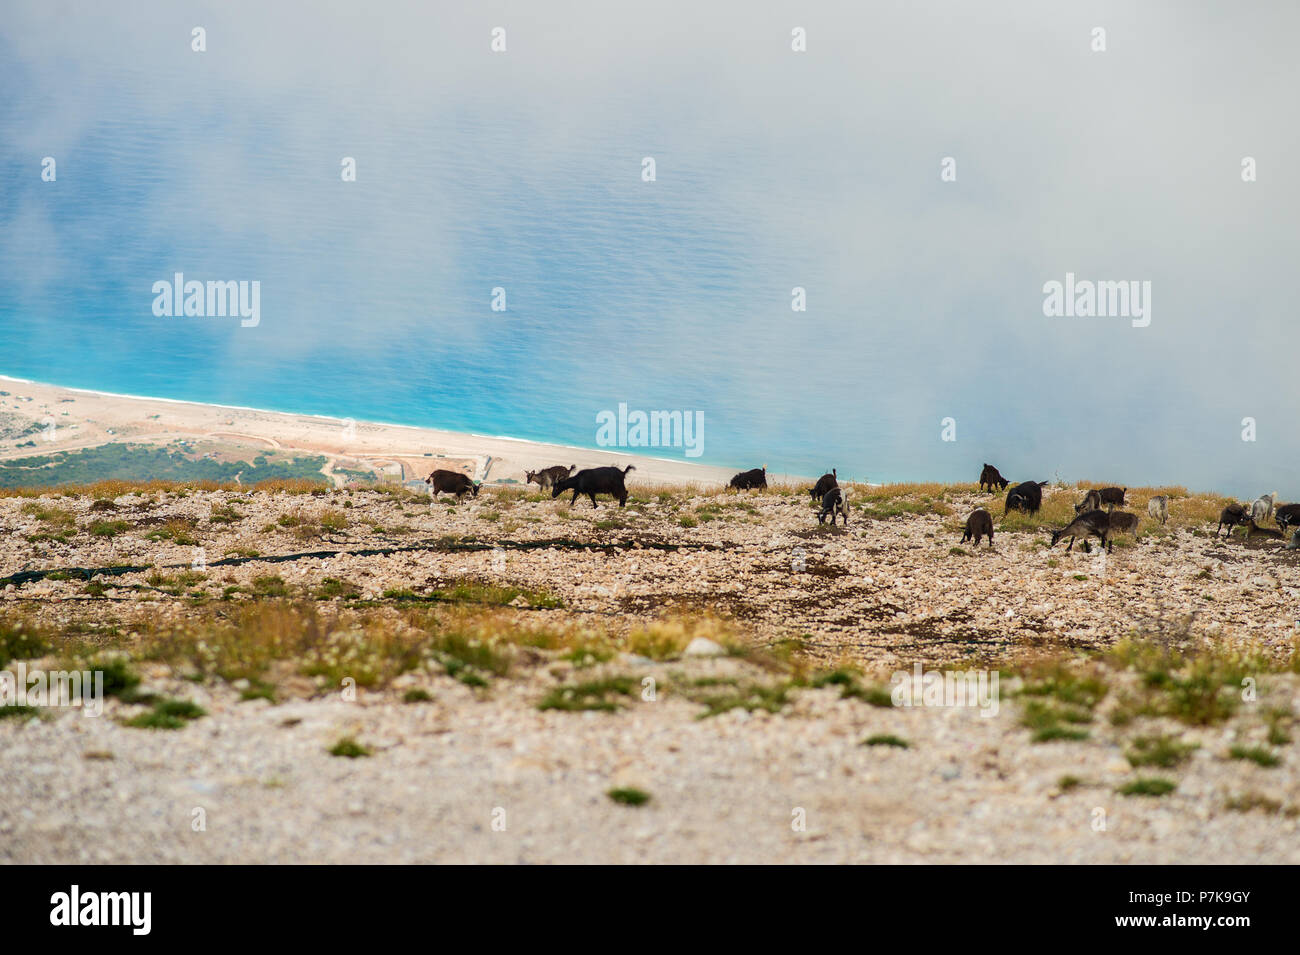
704, 647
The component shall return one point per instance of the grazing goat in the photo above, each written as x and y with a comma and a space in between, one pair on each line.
1122, 522
834, 501
548, 476
1262, 509
824, 484
593, 481
451, 482
1027, 497
1114, 496
1091, 502
1232, 515
992, 478
1287, 515
1253, 530
750, 479
1090, 523
1158, 508
978, 525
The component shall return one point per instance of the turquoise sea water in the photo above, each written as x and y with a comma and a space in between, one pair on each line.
774, 170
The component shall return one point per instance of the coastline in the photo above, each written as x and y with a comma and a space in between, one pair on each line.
85, 418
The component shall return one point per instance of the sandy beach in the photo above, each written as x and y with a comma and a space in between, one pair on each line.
85, 419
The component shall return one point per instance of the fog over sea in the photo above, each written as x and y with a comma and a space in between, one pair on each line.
774, 169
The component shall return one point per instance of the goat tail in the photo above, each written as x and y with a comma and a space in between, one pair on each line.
630, 467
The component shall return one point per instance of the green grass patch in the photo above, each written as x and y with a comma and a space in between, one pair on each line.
168, 715
606, 695
749, 697
1149, 786
22, 640
629, 796
108, 528
18, 711
851, 688
1249, 802
349, 748
177, 530
1051, 722
270, 585
1255, 754
258, 690
332, 587
119, 679
224, 514
1162, 751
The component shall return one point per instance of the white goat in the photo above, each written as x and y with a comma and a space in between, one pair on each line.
1158, 508
1262, 509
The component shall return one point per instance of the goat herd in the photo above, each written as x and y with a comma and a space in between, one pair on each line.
1090, 518
1091, 521
590, 481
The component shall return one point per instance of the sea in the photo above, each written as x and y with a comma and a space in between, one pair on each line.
669, 213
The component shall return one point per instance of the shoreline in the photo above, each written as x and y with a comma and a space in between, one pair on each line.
102, 417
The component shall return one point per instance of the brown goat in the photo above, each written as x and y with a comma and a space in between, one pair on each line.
1095, 523
979, 524
992, 478
451, 482
547, 477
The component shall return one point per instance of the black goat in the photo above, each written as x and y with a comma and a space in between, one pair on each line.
1113, 496
1288, 515
750, 479
992, 478
1027, 497
834, 502
1232, 515
593, 481
824, 484
977, 525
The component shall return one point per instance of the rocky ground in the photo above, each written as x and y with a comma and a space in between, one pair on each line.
878, 593
775, 768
